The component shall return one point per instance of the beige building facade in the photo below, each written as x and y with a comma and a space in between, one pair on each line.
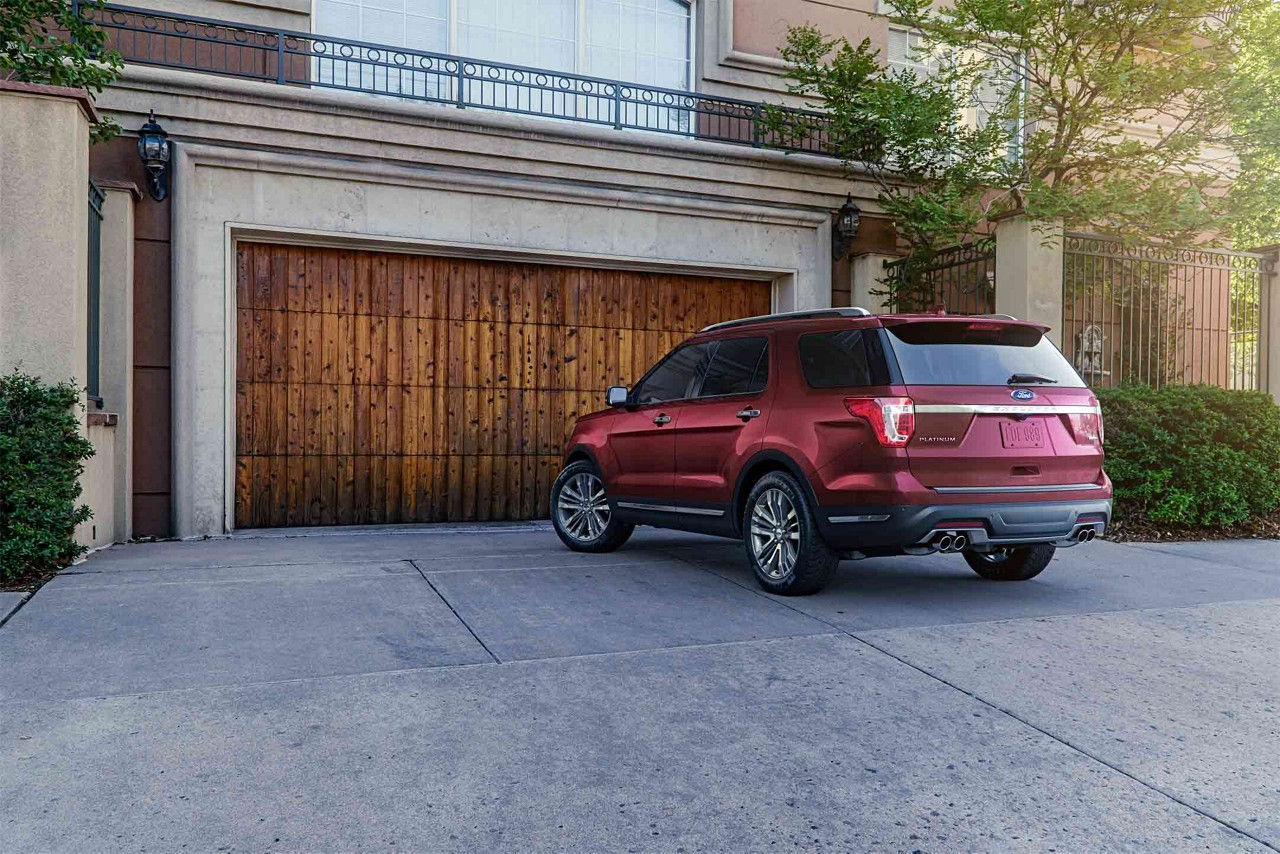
342, 157
385, 280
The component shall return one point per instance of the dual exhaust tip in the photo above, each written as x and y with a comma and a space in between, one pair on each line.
959, 542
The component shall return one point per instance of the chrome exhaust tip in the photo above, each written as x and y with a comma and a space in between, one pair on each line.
960, 542
944, 542
1084, 535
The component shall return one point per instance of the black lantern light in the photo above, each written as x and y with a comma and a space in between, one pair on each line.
153, 150
845, 227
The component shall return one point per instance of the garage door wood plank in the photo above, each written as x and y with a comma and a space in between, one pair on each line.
377, 387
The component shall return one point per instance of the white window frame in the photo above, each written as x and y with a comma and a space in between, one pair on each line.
580, 44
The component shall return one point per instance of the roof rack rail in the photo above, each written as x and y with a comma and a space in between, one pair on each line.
853, 311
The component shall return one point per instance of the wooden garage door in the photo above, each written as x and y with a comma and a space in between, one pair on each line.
374, 387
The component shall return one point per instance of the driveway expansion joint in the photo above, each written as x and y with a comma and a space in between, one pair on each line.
454, 611
1004, 711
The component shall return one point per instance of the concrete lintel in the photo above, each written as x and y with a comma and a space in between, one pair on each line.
42, 90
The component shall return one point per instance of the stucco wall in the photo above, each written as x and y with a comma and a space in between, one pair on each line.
98, 488
44, 185
330, 168
44, 190
739, 41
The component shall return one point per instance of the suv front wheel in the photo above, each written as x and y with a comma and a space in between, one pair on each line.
1011, 564
580, 511
786, 551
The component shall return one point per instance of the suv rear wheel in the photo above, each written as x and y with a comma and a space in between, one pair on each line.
786, 551
1012, 564
580, 511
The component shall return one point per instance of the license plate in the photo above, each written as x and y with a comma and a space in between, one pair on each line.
1022, 434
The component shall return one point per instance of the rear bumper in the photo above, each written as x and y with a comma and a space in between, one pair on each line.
901, 528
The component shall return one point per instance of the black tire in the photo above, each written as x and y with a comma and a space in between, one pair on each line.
1015, 564
814, 562
585, 530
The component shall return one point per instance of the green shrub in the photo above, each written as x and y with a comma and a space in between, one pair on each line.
42, 454
1192, 455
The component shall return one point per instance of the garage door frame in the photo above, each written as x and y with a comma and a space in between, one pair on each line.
780, 279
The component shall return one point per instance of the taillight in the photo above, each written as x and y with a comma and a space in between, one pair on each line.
1087, 427
892, 418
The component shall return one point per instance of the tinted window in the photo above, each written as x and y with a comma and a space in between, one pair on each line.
675, 376
977, 354
848, 357
738, 366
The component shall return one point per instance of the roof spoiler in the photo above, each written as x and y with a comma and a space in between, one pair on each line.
853, 311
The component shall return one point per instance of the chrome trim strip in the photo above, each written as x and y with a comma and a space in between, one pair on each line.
670, 508
842, 519
1049, 487
1004, 409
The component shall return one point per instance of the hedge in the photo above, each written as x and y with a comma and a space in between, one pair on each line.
1192, 456
42, 454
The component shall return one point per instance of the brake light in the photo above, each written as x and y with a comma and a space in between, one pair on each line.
892, 418
1087, 427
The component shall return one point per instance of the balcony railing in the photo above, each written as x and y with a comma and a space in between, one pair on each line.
293, 58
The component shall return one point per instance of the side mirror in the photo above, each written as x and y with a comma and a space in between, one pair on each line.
616, 396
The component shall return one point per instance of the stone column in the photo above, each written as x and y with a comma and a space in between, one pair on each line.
44, 191
116, 347
868, 270
1029, 271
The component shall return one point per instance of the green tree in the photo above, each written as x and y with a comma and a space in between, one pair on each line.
900, 130
1131, 116
49, 41
1142, 118
897, 128
1255, 121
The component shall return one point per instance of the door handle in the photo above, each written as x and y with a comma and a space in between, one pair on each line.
662, 419
748, 414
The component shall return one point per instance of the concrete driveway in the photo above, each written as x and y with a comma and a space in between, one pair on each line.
483, 689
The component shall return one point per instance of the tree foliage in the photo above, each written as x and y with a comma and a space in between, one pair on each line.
1142, 118
900, 129
48, 41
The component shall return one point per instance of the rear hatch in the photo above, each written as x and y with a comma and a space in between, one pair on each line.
997, 406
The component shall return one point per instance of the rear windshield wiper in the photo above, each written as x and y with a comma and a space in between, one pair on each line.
1028, 379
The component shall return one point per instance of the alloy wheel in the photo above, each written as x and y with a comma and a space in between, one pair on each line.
581, 508
775, 533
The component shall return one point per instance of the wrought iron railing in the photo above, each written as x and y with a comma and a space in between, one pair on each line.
293, 58
960, 278
1155, 314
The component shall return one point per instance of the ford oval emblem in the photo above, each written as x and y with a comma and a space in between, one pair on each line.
1023, 394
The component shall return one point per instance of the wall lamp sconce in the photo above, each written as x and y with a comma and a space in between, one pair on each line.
153, 150
845, 227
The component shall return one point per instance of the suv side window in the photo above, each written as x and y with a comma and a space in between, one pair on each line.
675, 377
738, 366
846, 357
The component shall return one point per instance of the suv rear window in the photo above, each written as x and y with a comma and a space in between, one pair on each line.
951, 353
848, 357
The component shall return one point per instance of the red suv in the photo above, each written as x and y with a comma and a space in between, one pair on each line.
820, 435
